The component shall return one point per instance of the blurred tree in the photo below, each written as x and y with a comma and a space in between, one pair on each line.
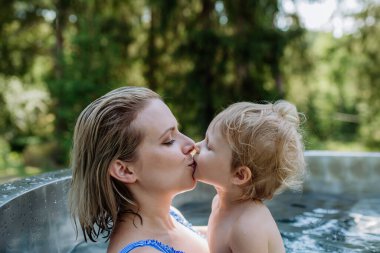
92, 40
24, 34
203, 49
328, 91
257, 49
364, 48
200, 55
229, 51
341, 85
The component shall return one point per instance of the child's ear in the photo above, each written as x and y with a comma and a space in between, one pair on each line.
241, 175
122, 171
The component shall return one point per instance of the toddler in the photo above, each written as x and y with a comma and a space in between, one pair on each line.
250, 153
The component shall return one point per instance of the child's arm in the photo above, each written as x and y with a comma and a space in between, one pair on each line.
202, 230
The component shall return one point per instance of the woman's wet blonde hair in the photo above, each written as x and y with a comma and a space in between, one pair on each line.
266, 138
103, 133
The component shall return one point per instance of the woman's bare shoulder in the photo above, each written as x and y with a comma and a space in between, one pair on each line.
138, 250
122, 235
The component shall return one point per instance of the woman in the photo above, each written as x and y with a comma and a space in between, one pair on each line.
129, 160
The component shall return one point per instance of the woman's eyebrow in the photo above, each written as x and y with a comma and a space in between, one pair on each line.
166, 131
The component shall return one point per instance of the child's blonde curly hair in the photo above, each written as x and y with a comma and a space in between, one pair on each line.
266, 138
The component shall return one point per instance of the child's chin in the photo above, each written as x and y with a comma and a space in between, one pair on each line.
202, 180
190, 187
199, 177
196, 175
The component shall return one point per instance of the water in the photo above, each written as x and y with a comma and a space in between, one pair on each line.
315, 222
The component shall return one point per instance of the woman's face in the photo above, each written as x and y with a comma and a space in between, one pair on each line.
164, 163
214, 159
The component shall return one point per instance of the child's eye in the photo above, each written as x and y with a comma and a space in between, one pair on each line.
168, 143
208, 146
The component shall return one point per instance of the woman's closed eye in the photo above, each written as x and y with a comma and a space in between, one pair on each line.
169, 142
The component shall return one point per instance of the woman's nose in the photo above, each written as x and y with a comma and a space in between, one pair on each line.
195, 150
188, 148
189, 145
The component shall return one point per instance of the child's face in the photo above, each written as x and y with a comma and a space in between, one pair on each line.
214, 159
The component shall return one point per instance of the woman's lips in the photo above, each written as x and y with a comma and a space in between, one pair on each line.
193, 165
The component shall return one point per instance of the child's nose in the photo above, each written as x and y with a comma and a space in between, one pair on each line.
195, 151
198, 146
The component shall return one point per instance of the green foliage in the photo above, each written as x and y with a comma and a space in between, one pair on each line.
11, 164
326, 89
25, 113
91, 60
365, 50
200, 55
341, 87
229, 52
20, 22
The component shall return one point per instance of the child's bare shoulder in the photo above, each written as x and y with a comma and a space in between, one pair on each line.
251, 230
255, 218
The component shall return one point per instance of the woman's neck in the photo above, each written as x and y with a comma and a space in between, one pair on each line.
154, 211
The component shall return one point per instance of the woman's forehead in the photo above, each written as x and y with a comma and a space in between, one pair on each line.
155, 118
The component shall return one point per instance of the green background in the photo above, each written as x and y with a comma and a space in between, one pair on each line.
200, 55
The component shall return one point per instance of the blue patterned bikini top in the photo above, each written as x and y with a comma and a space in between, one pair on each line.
157, 244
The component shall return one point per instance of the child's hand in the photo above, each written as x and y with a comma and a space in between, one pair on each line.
202, 230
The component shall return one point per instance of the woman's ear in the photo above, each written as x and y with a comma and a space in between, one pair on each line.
241, 175
122, 171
